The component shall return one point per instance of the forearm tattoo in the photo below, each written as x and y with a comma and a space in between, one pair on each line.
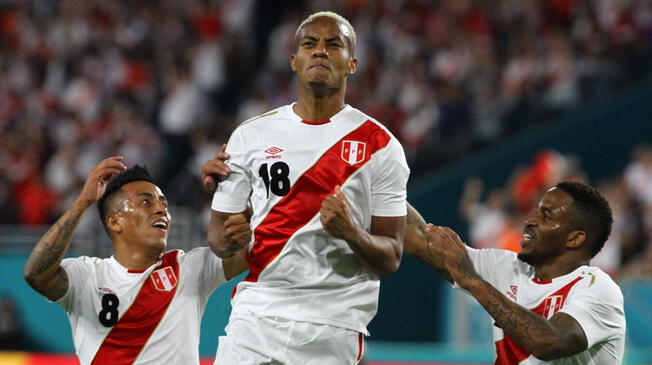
525, 327
52, 246
465, 267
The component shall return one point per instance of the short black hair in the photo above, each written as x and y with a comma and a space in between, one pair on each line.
593, 213
135, 173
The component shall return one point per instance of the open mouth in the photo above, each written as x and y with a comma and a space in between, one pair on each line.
161, 224
528, 236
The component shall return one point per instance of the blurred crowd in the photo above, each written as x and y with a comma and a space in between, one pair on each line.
164, 82
495, 217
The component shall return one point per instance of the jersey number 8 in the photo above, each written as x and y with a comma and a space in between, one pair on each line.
109, 314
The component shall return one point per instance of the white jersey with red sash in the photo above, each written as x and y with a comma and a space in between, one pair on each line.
150, 317
287, 166
587, 294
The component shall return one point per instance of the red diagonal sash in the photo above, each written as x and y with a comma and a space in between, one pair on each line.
508, 351
304, 199
127, 338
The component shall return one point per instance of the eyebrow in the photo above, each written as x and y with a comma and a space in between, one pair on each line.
310, 38
150, 195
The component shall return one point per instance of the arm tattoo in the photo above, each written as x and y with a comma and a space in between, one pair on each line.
416, 243
529, 329
465, 267
48, 253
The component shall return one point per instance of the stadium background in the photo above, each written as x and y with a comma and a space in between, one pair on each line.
516, 93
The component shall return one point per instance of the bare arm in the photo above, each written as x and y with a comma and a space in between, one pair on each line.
42, 270
235, 265
561, 336
380, 250
228, 233
416, 243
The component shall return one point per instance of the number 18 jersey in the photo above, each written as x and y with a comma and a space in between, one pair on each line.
286, 167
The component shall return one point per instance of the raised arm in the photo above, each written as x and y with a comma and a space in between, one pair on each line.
561, 336
380, 250
416, 243
42, 270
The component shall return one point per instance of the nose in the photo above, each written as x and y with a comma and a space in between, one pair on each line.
531, 220
320, 49
161, 208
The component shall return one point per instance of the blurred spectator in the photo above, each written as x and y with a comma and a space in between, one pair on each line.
12, 335
84, 80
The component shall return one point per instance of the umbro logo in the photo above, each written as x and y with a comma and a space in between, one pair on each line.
273, 152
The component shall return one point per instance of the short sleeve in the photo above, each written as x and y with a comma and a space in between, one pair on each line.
210, 269
599, 310
491, 264
233, 192
78, 271
388, 190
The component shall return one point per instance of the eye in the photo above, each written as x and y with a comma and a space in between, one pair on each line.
308, 44
146, 201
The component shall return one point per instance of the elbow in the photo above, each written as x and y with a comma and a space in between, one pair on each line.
390, 266
545, 353
551, 351
30, 278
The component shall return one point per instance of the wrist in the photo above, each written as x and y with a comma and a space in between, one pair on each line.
471, 284
81, 204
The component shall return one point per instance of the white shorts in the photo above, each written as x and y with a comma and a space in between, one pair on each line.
252, 340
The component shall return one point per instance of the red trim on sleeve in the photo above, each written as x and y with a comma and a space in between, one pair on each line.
128, 337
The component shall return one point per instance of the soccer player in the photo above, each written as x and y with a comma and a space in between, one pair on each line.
548, 304
141, 305
327, 185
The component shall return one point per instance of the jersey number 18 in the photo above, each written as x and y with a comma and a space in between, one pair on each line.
279, 183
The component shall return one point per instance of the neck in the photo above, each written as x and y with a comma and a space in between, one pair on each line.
556, 269
313, 105
136, 259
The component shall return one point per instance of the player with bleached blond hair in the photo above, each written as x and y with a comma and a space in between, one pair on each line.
327, 184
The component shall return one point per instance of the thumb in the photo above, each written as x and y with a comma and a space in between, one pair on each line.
209, 183
339, 194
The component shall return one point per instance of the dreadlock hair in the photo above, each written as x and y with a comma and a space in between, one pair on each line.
135, 173
593, 214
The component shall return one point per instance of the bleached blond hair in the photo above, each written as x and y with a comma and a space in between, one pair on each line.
328, 14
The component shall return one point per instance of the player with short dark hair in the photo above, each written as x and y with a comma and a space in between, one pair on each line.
327, 184
142, 305
549, 305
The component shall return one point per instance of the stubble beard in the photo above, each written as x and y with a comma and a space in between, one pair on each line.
529, 259
320, 90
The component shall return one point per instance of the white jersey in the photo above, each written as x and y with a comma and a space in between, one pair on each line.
286, 167
149, 317
587, 294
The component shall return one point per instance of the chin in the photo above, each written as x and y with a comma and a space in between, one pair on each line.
527, 258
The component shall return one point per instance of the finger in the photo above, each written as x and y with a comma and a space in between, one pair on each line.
215, 167
223, 147
338, 193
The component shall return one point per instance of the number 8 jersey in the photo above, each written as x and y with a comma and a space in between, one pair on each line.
152, 317
285, 167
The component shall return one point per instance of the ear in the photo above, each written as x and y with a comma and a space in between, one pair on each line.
114, 222
353, 65
575, 239
293, 59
